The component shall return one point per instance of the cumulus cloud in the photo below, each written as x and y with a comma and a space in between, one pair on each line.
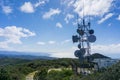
13, 35
105, 18
51, 13
41, 43
68, 17
7, 9
59, 25
118, 17
27, 7
91, 7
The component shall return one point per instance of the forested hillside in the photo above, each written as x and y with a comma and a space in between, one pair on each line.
16, 69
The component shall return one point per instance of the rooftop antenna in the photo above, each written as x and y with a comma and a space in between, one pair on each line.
85, 37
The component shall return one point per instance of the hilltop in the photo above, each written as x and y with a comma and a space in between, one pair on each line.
98, 55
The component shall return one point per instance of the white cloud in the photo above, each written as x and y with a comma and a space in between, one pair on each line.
51, 42
7, 9
106, 49
13, 35
40, 3
50, 13
3, 45
41, 43
118, 17
75, 23
27, 7
44, 43
94, 7
66, 41
105, 18
91, 7
59, 25
68, 3
28, 32
95, 48
63, 54
74, 48
68, 17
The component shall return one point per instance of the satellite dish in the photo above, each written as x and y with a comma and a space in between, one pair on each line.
79, 46
75, 38
92, 38
91, 31
76, 53
80, 32
80, 53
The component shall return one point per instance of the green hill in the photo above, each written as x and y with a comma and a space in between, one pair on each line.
98, 55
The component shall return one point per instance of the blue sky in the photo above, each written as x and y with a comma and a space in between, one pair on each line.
48, 25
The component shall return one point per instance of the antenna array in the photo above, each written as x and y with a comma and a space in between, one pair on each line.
85, 37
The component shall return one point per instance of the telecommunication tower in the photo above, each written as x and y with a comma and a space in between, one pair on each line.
84, 38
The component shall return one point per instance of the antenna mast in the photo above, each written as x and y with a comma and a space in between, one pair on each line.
85, 37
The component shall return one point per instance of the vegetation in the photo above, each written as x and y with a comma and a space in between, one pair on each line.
111, 73
13, 71
4, 75
23, 67
41, 74
64, 74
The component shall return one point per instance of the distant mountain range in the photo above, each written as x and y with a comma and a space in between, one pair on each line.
36, 55
24, 55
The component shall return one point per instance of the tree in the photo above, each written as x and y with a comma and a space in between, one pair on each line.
41, 75
4, 75
63, 74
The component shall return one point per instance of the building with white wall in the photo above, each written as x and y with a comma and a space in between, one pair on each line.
104, 62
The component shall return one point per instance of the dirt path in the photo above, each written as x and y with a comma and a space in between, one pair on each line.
30, 76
